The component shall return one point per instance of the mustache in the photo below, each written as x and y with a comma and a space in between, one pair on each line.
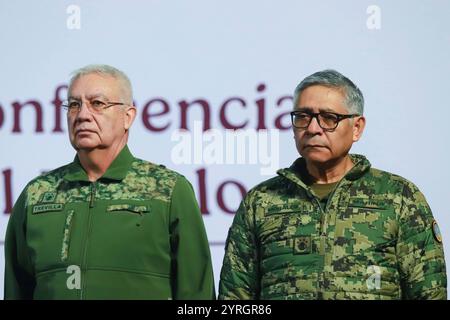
314, 144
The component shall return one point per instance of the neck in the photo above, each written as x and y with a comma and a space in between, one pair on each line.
329, 172
96, 161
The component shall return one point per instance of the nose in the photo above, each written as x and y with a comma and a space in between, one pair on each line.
314, 127
84, 113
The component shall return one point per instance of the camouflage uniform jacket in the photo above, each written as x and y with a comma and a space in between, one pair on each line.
136, 233
375, 239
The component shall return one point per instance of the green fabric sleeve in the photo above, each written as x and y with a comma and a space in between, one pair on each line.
19, 278
239, 276
192, 273
420, 254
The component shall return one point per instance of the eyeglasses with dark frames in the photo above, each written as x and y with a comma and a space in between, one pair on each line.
328, 121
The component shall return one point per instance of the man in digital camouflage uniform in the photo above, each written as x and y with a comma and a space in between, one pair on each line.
107, 225
330, 226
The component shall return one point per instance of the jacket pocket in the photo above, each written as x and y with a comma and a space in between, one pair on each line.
283, 222
128, 208
364, 225
288, 208
368, 203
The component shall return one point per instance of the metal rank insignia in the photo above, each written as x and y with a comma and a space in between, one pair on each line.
302, 245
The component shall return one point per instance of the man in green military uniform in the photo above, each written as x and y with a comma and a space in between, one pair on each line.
330, 226
107, 225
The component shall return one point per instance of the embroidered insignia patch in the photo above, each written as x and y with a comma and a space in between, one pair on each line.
437, 232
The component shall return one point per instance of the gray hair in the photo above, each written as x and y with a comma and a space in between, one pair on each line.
354, 99
103, 69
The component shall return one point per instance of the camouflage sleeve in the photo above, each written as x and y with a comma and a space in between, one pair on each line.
192, 273
19, 279
419, 249
239, 276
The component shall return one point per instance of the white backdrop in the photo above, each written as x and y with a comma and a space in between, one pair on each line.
179, 51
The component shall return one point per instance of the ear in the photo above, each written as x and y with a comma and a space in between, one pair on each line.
358, 127
130, 115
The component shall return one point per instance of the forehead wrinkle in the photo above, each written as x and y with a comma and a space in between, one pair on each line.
89, 96
95, 95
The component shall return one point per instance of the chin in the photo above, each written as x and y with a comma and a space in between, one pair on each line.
320, 156
321, 160
316, 153
86, 145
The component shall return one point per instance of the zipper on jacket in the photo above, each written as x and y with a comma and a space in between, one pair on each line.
86, 241
323, 230
91, 202
323, 234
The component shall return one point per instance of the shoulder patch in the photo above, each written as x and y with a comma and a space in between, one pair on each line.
436, 232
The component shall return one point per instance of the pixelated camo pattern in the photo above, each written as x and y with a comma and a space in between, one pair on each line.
143, 181
374, 240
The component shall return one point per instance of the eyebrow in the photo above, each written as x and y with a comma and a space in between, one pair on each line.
326, 109
90, 97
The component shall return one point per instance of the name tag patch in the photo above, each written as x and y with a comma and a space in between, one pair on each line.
47, 207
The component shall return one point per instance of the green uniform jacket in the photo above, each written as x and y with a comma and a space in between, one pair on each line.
136, 233
375, 239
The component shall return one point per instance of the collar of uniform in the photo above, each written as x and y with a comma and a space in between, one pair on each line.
361, 166
116, 171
